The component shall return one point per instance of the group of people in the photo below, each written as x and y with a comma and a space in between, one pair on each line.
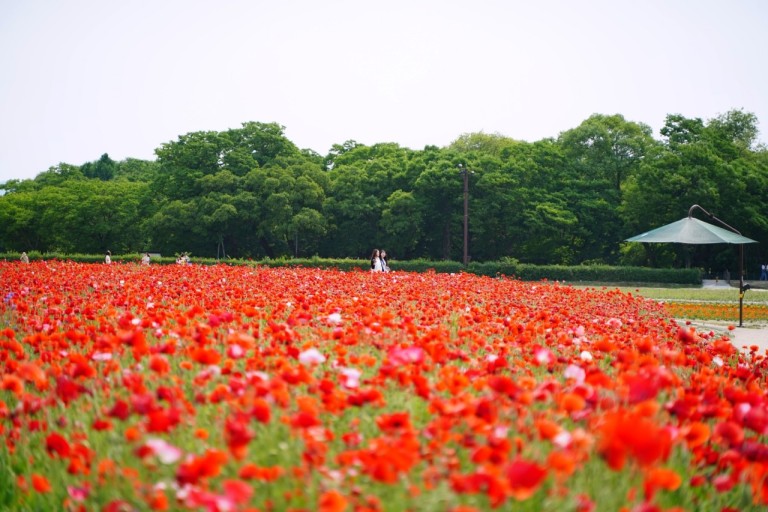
181, 259
379, 261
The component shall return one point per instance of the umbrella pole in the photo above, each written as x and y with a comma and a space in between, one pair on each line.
741, 284
742, 287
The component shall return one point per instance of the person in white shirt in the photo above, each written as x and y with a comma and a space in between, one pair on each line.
376, 261
108, 258
383, 258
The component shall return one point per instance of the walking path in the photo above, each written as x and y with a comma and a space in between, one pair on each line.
752, 333
741, 337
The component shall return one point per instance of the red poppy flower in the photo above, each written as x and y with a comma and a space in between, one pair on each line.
40, 483
56, 445
524, 478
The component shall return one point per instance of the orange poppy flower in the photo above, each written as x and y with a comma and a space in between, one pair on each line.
40, 483
332, 501
660, 478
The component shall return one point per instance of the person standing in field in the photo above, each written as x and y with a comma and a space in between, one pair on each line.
376, 261
108, 258
384, 264
145, 259
24, 258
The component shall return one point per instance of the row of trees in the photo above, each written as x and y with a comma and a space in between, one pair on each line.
252, 193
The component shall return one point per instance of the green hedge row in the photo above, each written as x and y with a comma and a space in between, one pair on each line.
610, 274
511, 268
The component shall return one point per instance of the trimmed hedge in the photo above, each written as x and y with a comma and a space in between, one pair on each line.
510, 268
610, 274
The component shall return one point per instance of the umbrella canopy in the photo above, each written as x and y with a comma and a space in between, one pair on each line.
694, 231
691, 231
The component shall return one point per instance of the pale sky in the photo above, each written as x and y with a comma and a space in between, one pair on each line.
80, 78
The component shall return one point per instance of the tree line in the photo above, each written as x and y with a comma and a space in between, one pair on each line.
250, 192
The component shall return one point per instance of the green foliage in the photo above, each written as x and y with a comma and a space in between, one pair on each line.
605, 273
401, 221
586, 273
102, 169
492, 144
250, 192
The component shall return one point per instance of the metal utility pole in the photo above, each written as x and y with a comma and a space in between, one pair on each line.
465, 174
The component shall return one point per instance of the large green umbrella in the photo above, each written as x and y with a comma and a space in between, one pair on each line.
695, 231
691, 231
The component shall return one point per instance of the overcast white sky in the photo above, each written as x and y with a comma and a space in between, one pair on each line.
80, 78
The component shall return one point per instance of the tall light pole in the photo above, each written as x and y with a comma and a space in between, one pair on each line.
465, 174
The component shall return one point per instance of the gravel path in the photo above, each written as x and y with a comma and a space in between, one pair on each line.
741, 337
753, 333
750, 335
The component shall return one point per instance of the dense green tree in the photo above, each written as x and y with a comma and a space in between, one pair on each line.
57, 175
706, 164
353, 216
249, 189
133, 169
337, 151
401, 223
602, 154
107, 216
251, 192
175, 228
737, 126
732, 134
77, 216
363, 178
679, 130
186, 160
439, 191
308, 227
483, 143
607, 148
21, 222
550, 222
264, 142
496, 216
102, 169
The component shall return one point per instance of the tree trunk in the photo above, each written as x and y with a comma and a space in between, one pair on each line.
267, 249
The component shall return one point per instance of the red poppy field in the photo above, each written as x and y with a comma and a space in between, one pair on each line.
240, 389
